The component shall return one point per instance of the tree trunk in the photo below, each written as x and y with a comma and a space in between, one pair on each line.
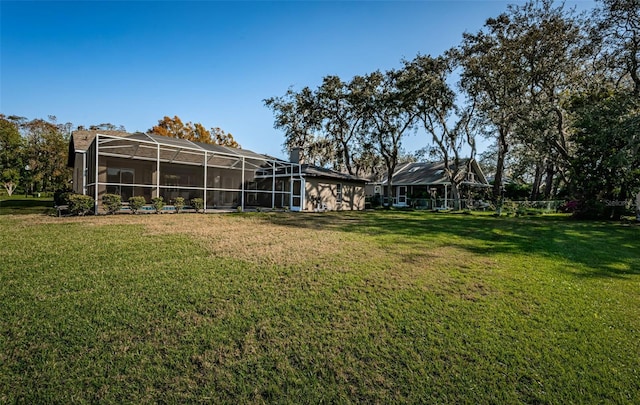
502, 152
535, 189
455, 194
548, 182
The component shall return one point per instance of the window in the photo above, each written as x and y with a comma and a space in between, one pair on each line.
117, 177
339, 192
120, 175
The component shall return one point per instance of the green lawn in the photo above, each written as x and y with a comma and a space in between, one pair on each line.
380, 307
19, 204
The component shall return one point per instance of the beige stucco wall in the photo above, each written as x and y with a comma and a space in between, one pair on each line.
78, 170
352, 194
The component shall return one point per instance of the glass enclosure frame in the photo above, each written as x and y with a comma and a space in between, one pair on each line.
225, 178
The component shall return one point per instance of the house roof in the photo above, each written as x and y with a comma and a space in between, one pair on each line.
422, 173
81, 141
321, 172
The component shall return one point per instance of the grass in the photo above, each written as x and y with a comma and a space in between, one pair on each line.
18, 204
380, 307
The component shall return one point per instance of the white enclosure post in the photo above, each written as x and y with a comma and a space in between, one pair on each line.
204, 195
85, 170
158, 171
242, 186
273, 185
95, 203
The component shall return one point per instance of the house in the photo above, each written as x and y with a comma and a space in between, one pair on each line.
425, 185
327, 189
138, 164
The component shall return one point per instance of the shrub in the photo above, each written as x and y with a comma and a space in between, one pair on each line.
158, 204
179, 204
509, 207
80, 204
112, 203
136, 203
198, 204
592, 209
61, 196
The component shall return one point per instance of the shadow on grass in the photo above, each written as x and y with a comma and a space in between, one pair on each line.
607, 249
14, 205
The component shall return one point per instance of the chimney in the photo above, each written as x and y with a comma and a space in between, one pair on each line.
294, 155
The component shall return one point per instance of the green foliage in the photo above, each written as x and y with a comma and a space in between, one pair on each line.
112, 203
509, 207
11, 145
10, 178
158, 204
607, 159
61, 196
80, 204
517, 191
178, 204
198, 204
136, 203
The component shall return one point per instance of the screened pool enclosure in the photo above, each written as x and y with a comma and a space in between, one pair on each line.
149, 166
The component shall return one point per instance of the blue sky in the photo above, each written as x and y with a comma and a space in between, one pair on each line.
213, 62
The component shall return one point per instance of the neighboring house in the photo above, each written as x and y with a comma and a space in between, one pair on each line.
425, 185
225, 178
327, 189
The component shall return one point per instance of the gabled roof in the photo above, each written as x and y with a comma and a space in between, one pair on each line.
424, 174
321, 172
81, 141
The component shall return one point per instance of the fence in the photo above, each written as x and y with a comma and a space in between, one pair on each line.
508, 206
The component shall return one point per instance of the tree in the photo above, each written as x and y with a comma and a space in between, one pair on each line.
607, 158
223, 138
175, 128
46, 152
296, 114
424, 86
343, 115
553, 52
11, 150
518, 70
327, 124
493, 80
106, 127
389, 116
616, 36
10, 179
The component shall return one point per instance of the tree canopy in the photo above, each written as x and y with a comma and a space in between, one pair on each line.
554, 91
175, 128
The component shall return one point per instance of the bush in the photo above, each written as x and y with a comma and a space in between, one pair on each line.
198, 204
179, 204
158, 204
592, 209
80, 204
112, 203
136, 203
61, 197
